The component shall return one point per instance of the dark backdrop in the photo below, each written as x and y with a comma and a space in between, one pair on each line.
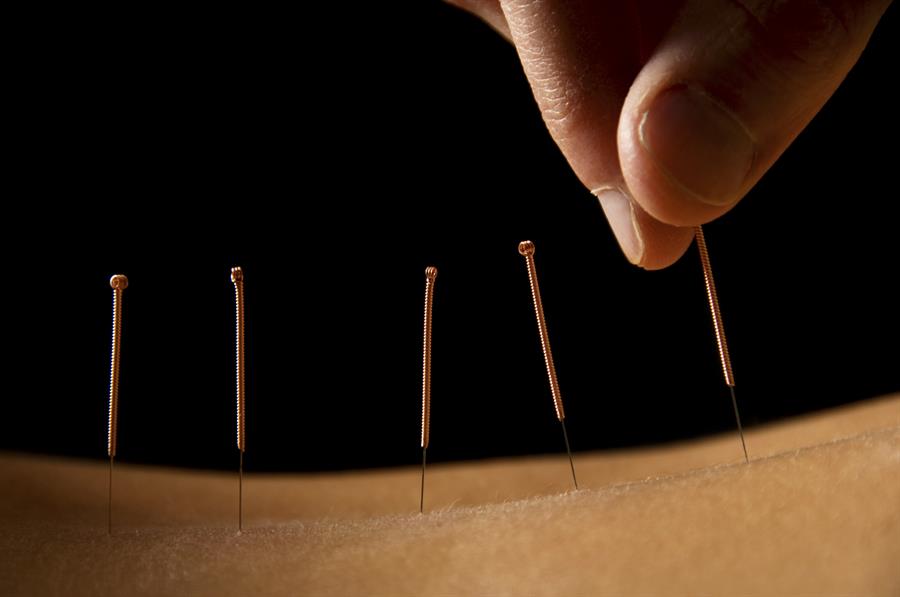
334, 156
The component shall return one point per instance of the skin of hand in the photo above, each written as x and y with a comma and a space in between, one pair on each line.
669, 111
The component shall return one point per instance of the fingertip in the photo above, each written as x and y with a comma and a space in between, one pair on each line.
665, 244
678, 179
645, 241
697, 143
620, 214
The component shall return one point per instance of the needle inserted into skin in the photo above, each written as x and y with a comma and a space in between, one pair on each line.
118, 283
526, 249
430, 277
237, 276
719, 328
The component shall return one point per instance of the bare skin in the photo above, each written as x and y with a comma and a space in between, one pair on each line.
814, 513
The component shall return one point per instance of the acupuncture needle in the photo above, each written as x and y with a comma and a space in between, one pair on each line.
719, 328
526, 249
118, 283
237, 276
430, 277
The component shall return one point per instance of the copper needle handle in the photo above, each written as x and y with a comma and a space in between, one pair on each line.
526, 249
118, 283
237, 276
721, 341
431, 273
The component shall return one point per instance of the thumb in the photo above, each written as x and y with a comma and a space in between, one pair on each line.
726, 91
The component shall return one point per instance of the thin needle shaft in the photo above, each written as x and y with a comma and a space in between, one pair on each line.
569, 452
740, 427
422, 490
237, 276
109, 504
719, 327
241, 492
430, 277
526, 249
118, 283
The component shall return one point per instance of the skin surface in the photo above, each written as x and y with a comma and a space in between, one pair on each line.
815, 512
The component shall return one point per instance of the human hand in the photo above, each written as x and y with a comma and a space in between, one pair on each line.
669, 111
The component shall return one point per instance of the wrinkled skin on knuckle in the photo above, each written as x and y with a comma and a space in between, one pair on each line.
577, 56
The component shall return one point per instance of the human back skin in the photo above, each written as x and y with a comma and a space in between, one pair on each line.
815, 512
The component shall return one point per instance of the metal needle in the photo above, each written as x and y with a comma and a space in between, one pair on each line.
719, 328
526, 249
237, 276
430, 277
118, 283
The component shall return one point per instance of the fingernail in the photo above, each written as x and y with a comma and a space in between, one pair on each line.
699, 143
619, 212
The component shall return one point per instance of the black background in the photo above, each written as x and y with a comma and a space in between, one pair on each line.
334, 156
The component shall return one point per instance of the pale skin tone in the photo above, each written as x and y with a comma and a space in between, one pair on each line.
814, 513
669, 111
637, 96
